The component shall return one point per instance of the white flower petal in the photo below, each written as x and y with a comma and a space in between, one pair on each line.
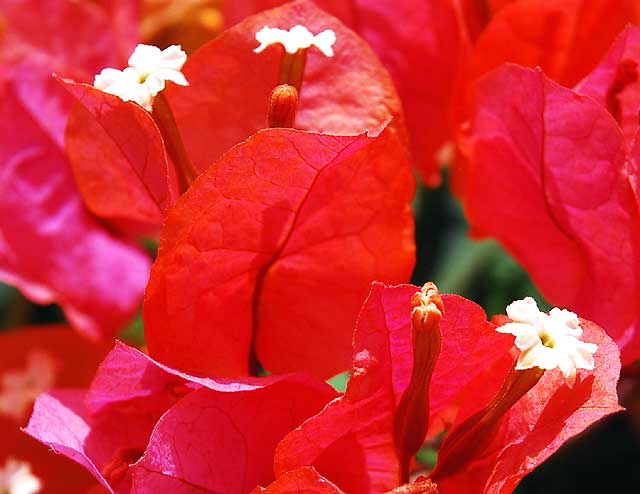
268, 36
145, 58
538, 356
525, 310
325, 41
568, 369
528, 339
173, 58
514, 328
299, 37
154, 84
171, 75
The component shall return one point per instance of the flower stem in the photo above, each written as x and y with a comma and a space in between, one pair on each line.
166, 122
476, 433
292, 68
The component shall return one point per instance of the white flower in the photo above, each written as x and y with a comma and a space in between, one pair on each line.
549, 340
16, 478
296, 38
149, 69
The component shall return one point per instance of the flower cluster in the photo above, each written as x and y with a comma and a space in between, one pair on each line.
257, 217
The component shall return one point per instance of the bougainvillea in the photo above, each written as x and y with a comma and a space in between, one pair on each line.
404, 34
459, 41
351, 442
118, 158
229, 85
255, 235
273, 166
565, 166
143, 427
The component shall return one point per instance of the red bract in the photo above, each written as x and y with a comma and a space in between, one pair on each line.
351, 441
50, 247
615, 82
118, 157
145, 428
557, 159
32, 360
545, 418
305, 480
276, 244
564, 37
419, 43
227, 99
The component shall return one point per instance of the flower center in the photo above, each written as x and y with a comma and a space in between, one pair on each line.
546, 339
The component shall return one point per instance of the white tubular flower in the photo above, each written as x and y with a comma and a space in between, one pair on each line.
296, 38
16, 478
149, 69
126, 85
549, 340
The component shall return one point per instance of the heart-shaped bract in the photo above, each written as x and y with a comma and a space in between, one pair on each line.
559, 160
118, 158
274, 247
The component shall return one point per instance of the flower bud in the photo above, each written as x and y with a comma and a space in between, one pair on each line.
412, 414
282, 106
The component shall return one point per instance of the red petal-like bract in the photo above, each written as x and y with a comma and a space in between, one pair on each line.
277, 243
118, 157
190, 434
551, 162
419, 43
33, 359
50, 247
564, 37
351, 441
227, 99
615, 82
550, 414
303, 480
